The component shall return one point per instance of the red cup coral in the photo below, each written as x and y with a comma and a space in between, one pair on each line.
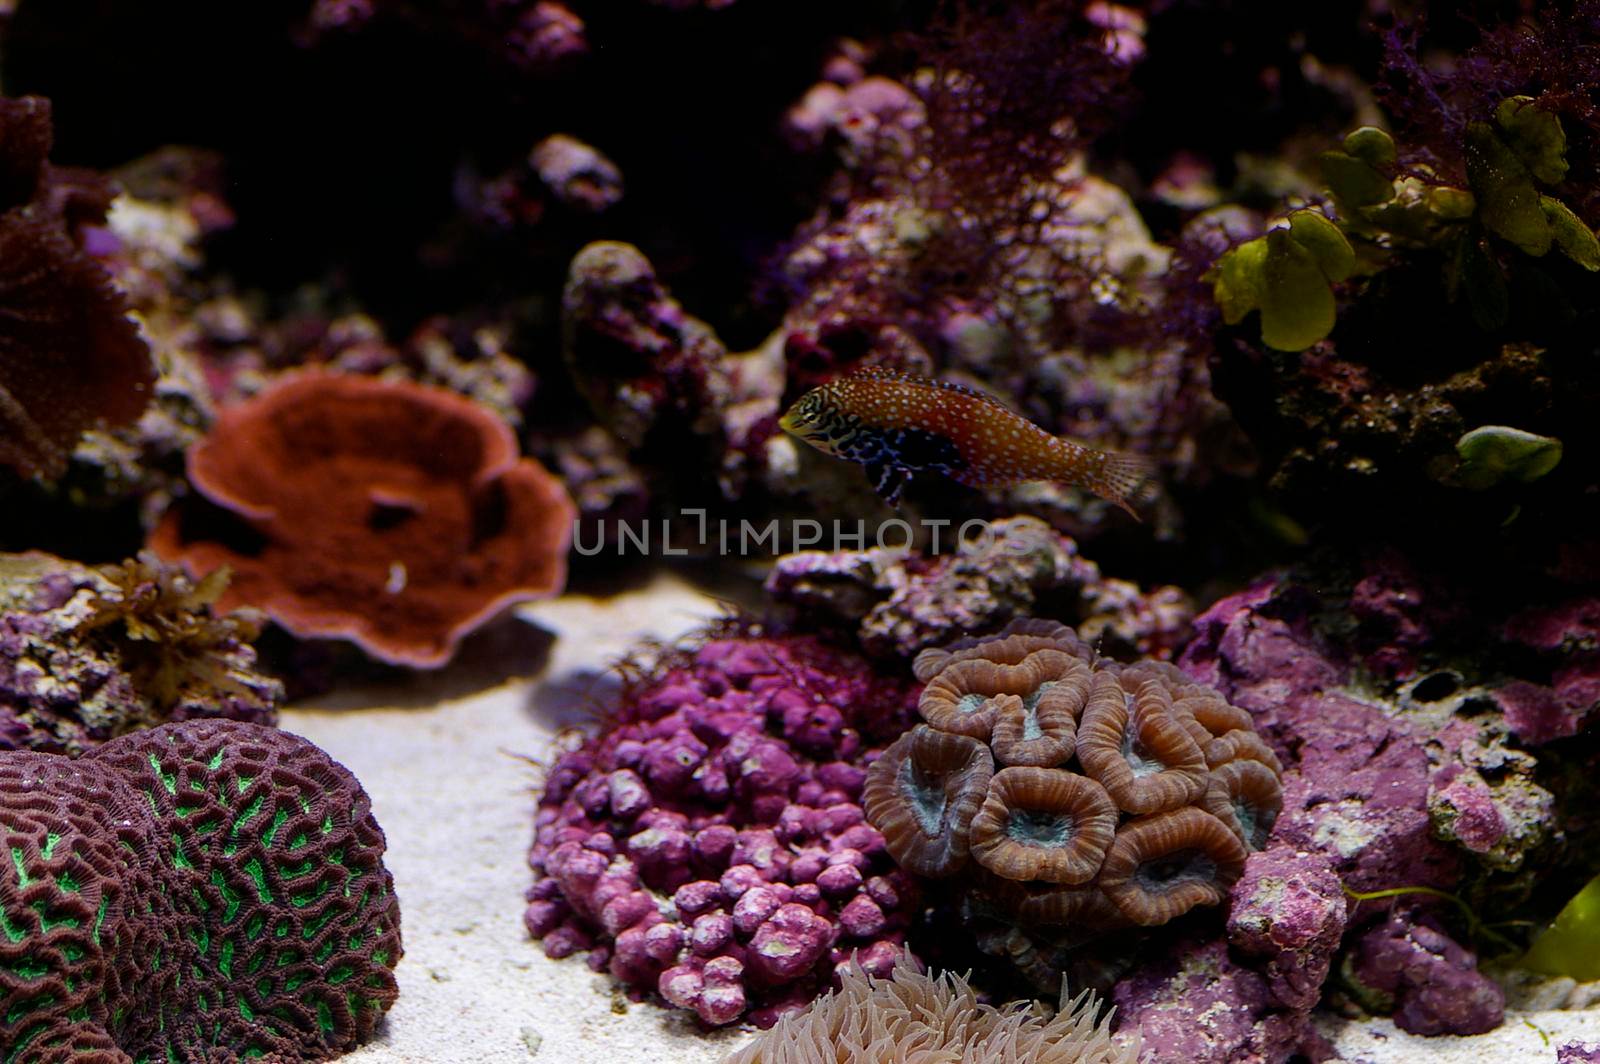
1073, 793
392, 514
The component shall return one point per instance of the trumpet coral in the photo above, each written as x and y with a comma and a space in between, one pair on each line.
1064, 791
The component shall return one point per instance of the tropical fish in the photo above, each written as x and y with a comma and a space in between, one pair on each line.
896, 424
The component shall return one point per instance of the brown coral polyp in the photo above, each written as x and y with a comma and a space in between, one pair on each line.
923, 793
1047, 824
1163, 865
392, 514
1119, 795
1134, 745
1245, 795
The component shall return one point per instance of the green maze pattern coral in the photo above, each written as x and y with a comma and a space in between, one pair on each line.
203, 891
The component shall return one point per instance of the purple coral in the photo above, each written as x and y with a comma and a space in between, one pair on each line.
710, 845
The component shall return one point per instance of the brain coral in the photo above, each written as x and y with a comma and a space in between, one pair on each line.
206, 890
709, 843
392, 514
1074, 794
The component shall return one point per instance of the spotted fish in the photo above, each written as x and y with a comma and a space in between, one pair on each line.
896, 425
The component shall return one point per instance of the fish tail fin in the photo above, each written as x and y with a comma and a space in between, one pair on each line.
1120, 477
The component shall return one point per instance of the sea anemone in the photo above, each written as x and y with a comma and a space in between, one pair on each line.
909, 1017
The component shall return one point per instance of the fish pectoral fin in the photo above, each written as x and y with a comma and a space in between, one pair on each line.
888, 481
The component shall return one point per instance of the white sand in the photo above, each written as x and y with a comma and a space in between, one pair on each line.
453, 795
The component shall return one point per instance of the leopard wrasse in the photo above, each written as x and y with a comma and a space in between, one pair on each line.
897, 425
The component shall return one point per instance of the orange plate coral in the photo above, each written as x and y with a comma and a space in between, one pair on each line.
391, 514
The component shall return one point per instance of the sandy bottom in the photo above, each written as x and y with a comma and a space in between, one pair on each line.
444, 760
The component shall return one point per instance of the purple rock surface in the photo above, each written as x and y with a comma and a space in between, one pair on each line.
1385, 788
88, 654
899, 605
1432, 984
1199, 1004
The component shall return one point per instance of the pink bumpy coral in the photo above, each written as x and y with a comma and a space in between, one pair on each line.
709, 843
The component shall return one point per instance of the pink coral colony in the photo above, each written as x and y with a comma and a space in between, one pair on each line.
1307, 758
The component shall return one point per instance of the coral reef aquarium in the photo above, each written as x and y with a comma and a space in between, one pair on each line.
778, 532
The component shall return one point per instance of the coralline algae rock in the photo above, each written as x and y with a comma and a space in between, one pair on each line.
1579, 1053
1383, 791
1289, 909
1208, 1002
1200, 1005
88, 654
1356, 788
902, 604
1431, 984
654, 373
1567, 637
202, 891
576, 173
709, 843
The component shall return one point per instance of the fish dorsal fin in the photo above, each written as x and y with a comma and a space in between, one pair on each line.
879, 373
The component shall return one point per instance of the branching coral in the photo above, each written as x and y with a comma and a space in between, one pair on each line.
908, 1017
69, 356
88, 654
709, 843
391, 514
1115, 797
202, 890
